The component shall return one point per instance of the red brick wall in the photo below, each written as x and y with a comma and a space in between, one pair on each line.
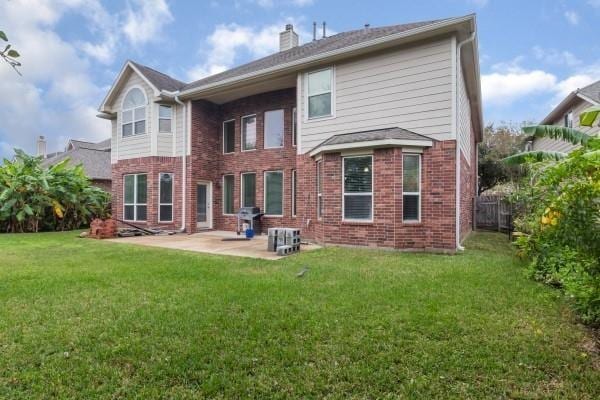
468, 190
209, 162
436, 230
151, 166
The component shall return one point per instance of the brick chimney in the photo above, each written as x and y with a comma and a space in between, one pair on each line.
41, 147
288, 38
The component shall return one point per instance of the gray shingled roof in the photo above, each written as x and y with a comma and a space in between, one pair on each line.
95, 162
372, 135
158, 79
330, 43
592, 91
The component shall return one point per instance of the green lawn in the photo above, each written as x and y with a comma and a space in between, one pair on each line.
89, 319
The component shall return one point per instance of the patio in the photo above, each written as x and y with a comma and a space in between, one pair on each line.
211, 242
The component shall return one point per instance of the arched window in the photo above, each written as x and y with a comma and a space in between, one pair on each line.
134, 113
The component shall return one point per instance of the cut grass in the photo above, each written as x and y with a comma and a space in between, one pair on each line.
90, 319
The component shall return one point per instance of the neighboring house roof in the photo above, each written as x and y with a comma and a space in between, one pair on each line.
335, 42
373, 138
589, 93
94, 157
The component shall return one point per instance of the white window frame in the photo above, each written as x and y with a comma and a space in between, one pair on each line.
242, 132
133, 120
172, 203
135, 204
568, 119
223, 135
331, 115
170, 132
294, 127
418, 220
265, 129
242, 187
371, 193
265, 193
232, 193
319, 182
294, 201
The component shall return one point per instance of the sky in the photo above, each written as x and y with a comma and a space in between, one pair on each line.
532, 53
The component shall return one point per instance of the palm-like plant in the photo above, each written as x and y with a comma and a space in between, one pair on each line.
573, 136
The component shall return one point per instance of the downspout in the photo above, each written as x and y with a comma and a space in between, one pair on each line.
458, 65
184, 162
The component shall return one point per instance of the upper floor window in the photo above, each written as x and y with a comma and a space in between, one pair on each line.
228, 136
319, 93
249, 133
568, 119
134, 113
165, 118
273, 129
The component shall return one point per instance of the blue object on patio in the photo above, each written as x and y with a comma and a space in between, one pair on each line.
249, 233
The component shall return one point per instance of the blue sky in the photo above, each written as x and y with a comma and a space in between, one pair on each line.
532, 53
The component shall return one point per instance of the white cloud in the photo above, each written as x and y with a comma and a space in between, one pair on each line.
509, 82
594, 3
56, 94
227, 42
302, 3
556, 57
145, 20
572, 17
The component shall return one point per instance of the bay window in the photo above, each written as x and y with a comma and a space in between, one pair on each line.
411, 187
274, 193
165, 197
135, 188
358, 188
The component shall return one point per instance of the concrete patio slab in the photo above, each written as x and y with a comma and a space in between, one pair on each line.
211, 242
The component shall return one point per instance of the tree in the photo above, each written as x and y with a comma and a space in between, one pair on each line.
9, 54
498, 143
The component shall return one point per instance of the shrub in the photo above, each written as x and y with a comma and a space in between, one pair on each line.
33, 198
562, 219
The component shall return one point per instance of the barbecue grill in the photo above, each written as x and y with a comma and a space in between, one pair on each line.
251, 216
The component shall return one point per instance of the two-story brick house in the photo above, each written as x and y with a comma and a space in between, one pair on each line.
366, 137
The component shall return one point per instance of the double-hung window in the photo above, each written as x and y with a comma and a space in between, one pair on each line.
319, 189
411, 187
273, 129
248, 189
358, 188
165, 197
319, 93
135, 194
274, 193
228, 188
133, 115
249, 133
229, 136
294, 191
165, 119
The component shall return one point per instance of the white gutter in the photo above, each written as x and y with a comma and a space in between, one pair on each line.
471, 38
183, 161
323, 56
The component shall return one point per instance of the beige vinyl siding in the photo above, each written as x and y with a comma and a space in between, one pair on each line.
410, 88
464, 117
558, 145
179, 124
133, 146
114, 151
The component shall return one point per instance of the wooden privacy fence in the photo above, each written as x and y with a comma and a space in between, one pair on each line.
493, 213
